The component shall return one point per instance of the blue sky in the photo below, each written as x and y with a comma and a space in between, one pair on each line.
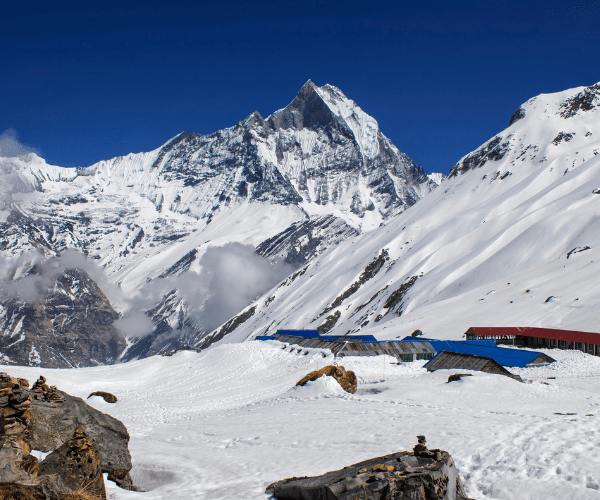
84, 83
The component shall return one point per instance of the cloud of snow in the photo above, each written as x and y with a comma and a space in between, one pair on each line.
31, 276
11, 185
134, 324
228, 278
10, 146
232, 276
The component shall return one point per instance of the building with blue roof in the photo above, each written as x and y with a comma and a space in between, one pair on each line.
487, 348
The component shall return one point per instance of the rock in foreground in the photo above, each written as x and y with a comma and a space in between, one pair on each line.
84, 443
420, 475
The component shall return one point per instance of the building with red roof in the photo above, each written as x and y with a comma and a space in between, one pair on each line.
536, 338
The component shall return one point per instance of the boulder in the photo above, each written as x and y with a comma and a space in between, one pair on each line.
107, 396
53, 423
44, 418
421, 475
347, 379
76, 466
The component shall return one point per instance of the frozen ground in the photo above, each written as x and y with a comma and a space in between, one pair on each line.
225, 423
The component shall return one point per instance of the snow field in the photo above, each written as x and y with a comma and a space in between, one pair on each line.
225, 423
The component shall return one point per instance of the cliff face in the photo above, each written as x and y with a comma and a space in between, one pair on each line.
71, 324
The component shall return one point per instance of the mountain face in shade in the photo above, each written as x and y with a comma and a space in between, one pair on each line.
293, 185
71, 324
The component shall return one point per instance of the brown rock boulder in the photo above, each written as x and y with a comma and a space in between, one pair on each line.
107, 396
346, 378
77, 465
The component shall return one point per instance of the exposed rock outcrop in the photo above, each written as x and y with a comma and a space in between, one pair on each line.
70, 324
346, 378
421, 475
84, 441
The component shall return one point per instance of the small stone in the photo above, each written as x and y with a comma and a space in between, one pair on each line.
457, 376
383, 467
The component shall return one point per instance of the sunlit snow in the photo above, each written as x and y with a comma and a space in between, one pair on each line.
225, 423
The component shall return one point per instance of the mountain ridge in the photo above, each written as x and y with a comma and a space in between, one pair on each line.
317, 164
497, 244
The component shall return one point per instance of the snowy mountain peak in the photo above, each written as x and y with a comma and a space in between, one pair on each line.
327, 106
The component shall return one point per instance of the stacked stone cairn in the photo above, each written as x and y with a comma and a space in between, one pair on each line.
45, 392
15, 414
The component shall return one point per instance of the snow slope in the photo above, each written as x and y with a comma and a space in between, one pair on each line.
225, 423
511, 238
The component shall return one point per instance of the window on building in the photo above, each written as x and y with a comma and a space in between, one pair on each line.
407, 358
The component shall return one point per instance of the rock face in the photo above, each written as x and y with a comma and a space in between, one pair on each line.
71, 324
50, 420
347, 379
304, 240
54, 423
421, 475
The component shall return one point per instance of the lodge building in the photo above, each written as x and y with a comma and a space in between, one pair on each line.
537, 338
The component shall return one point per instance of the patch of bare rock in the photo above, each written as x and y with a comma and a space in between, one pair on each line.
421, 475
83, 443
346, 378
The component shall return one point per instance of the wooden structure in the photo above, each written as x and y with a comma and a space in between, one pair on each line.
460, 361
348, 346
538, 338
504, 356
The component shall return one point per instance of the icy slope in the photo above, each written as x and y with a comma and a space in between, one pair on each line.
225, 423
512, 237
